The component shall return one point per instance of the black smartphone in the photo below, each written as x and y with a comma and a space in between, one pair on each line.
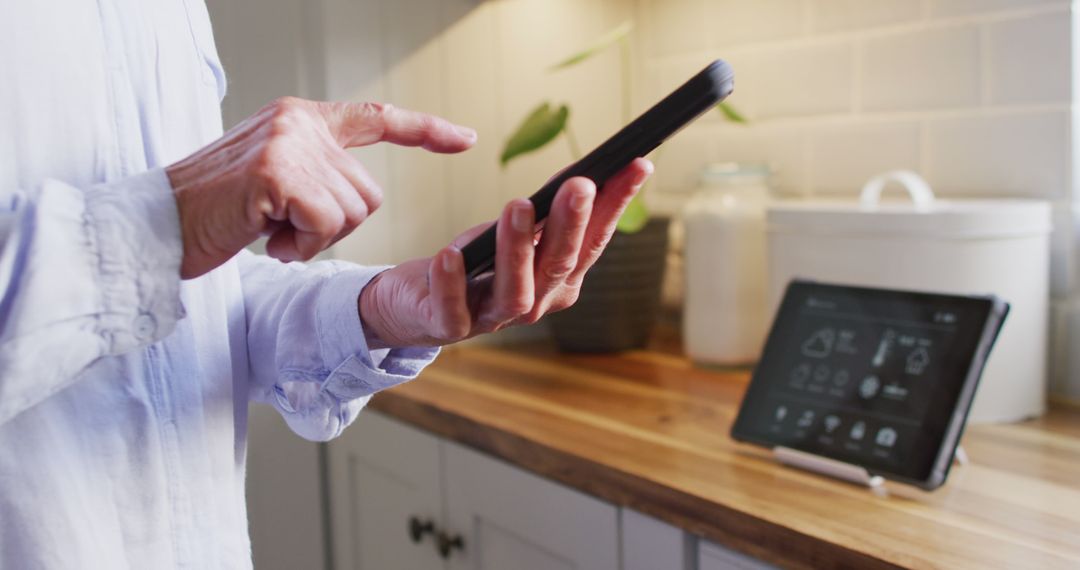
703, 91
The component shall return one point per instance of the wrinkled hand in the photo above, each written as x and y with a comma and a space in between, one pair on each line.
427, 302
283, 172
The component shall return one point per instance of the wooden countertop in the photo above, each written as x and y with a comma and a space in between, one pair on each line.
649, 431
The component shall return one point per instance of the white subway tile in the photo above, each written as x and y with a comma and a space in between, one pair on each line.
373, 242
1029, 59
843, 157
732, 22
672, 27
800, 80
471, 97
1019, 155
352, 36
923, 69
963, 7
838, 15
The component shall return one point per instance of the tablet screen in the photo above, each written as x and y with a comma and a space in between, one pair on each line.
871, 377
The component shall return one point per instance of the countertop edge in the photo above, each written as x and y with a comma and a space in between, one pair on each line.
732, 528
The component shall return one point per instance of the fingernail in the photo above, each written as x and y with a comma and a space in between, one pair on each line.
580, 200
640, 179
466, 132
521, 219
448, 260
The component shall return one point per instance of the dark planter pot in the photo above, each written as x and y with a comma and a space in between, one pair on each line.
620, 297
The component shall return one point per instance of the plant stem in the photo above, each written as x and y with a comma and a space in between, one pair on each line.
571, 140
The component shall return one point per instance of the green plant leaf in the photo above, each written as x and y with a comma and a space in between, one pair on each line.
538, 129
598, 45
730, 113
634, 217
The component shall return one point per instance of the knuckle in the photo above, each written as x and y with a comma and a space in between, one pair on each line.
372, 115
332, 224
519, 257
285, 114
373, 200
559, 269
372, 110
530, 318
566, 300
356, 215
514, 308
597, 244
265, 170
451, 331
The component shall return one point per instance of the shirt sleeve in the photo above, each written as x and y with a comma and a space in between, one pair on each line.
309, 358
84, 273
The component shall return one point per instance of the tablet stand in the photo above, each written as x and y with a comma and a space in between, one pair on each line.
839, 469
825, 466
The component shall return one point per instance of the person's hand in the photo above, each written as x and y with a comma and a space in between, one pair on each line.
427, 302
283, 172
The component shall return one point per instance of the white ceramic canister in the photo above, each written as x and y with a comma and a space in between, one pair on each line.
725, 314
962, 246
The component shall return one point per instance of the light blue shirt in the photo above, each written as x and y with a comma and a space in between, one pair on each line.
124, 391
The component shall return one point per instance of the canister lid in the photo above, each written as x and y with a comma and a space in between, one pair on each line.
922, 216
941, 218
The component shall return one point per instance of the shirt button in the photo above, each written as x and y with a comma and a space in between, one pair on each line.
145, 326
351, 381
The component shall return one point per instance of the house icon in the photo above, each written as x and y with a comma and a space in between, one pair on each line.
820, 344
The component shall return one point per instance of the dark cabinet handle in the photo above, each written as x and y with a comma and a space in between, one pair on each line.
418, 528
446, 544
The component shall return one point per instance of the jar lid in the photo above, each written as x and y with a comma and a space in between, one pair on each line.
722, 173
956, 219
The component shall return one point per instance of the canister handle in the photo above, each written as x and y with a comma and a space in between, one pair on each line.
917, 188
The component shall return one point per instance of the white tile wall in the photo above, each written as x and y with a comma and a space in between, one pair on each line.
921, 69
1016, 154
1029, 59
674, 26
962, 7
975, 94
733, 22
838, 15
815, 79
844, 156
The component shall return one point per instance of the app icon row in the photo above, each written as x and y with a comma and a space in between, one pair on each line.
885, 436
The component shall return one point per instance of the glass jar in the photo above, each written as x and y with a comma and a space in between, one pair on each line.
725, 315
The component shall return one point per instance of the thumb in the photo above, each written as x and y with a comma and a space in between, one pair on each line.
360, 124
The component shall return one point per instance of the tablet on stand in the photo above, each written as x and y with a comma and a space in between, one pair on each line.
867, 384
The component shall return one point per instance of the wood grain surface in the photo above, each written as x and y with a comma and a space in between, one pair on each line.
649, 431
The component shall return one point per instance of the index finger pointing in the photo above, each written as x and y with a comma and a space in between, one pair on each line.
360, 124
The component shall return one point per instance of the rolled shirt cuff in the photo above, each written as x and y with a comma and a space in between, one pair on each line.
357, 371
133, 229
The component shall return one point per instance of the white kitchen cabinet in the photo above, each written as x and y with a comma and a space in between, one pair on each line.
513, 519
384, 473
651, 544
712, 556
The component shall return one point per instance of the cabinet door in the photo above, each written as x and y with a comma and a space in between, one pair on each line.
509, 518
651, 544
712, 556
382, 473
